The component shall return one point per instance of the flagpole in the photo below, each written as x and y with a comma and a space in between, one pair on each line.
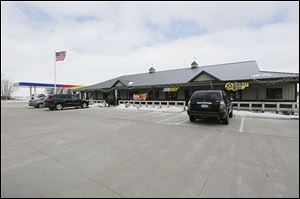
54, 72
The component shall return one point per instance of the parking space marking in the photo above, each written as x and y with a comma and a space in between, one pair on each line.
241, 130
178, 123
167, 119
139, 115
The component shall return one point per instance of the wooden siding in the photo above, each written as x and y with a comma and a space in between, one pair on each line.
203, 77
288, 91
119, 84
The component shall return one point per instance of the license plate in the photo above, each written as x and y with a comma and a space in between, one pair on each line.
204, 106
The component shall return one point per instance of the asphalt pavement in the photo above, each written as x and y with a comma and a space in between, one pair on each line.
108, 152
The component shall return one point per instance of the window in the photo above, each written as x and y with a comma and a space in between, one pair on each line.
206, 96
63, 96
74, 97
274, 93
171, 95
150, 95
156, 95
235, 95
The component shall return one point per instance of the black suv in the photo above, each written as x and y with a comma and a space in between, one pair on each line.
60, 101
210, 104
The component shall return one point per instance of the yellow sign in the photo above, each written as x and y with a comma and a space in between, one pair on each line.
173, 89
234, 86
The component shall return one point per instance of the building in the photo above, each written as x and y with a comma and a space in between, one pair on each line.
242, 80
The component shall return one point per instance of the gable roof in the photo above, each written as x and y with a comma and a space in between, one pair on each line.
224, 72
203, 72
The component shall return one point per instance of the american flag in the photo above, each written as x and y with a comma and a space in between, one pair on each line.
60, 56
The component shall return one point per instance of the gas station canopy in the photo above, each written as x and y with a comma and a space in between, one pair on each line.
31, 84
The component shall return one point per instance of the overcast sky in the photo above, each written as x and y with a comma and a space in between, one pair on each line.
104, 40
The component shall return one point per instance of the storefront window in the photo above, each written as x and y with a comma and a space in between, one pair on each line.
153, 95
235, 95
171, 95
274, 93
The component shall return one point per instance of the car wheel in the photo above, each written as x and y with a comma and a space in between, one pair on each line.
40, 105
59, 107
192, 119
226, 119
84, 105
231, 114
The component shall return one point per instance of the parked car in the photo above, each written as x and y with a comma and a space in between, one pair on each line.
59, 101
38, 102
210, 104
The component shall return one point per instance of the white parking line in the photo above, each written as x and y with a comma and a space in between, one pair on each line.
169, 118
242, 125
178, 123
139, 115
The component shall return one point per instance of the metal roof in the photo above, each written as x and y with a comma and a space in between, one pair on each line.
270, 75
225, 72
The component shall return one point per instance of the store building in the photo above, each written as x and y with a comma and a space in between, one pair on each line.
242, 80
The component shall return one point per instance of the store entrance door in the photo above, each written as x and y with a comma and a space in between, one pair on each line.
187, 95
105, 97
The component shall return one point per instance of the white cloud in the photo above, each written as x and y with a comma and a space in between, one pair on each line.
107, 39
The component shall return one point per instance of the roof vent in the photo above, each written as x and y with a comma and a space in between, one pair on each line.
151, 70
194, 64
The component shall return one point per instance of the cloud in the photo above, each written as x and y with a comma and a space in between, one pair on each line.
108, 39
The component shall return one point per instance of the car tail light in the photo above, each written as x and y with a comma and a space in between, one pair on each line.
189, 104
222, 106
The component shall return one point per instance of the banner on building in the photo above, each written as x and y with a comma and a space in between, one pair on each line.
140, 97
172, 89
234, 86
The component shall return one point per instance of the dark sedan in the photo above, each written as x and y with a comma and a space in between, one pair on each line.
60, 101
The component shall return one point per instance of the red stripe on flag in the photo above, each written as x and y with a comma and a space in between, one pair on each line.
60, 56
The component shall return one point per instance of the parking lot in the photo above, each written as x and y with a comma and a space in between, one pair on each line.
108, 152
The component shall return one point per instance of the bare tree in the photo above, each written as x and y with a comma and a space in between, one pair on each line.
7, 88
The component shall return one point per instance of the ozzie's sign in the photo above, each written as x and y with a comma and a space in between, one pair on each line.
234, 86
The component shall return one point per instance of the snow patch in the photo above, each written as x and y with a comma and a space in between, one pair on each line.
181, 109
263, 115
97, 105
172, 109
261, 75
15, 101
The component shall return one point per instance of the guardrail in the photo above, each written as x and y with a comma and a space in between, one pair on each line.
267, 106
153, 103
97, 101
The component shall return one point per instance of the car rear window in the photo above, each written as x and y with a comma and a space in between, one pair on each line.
207, 96
60, 96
